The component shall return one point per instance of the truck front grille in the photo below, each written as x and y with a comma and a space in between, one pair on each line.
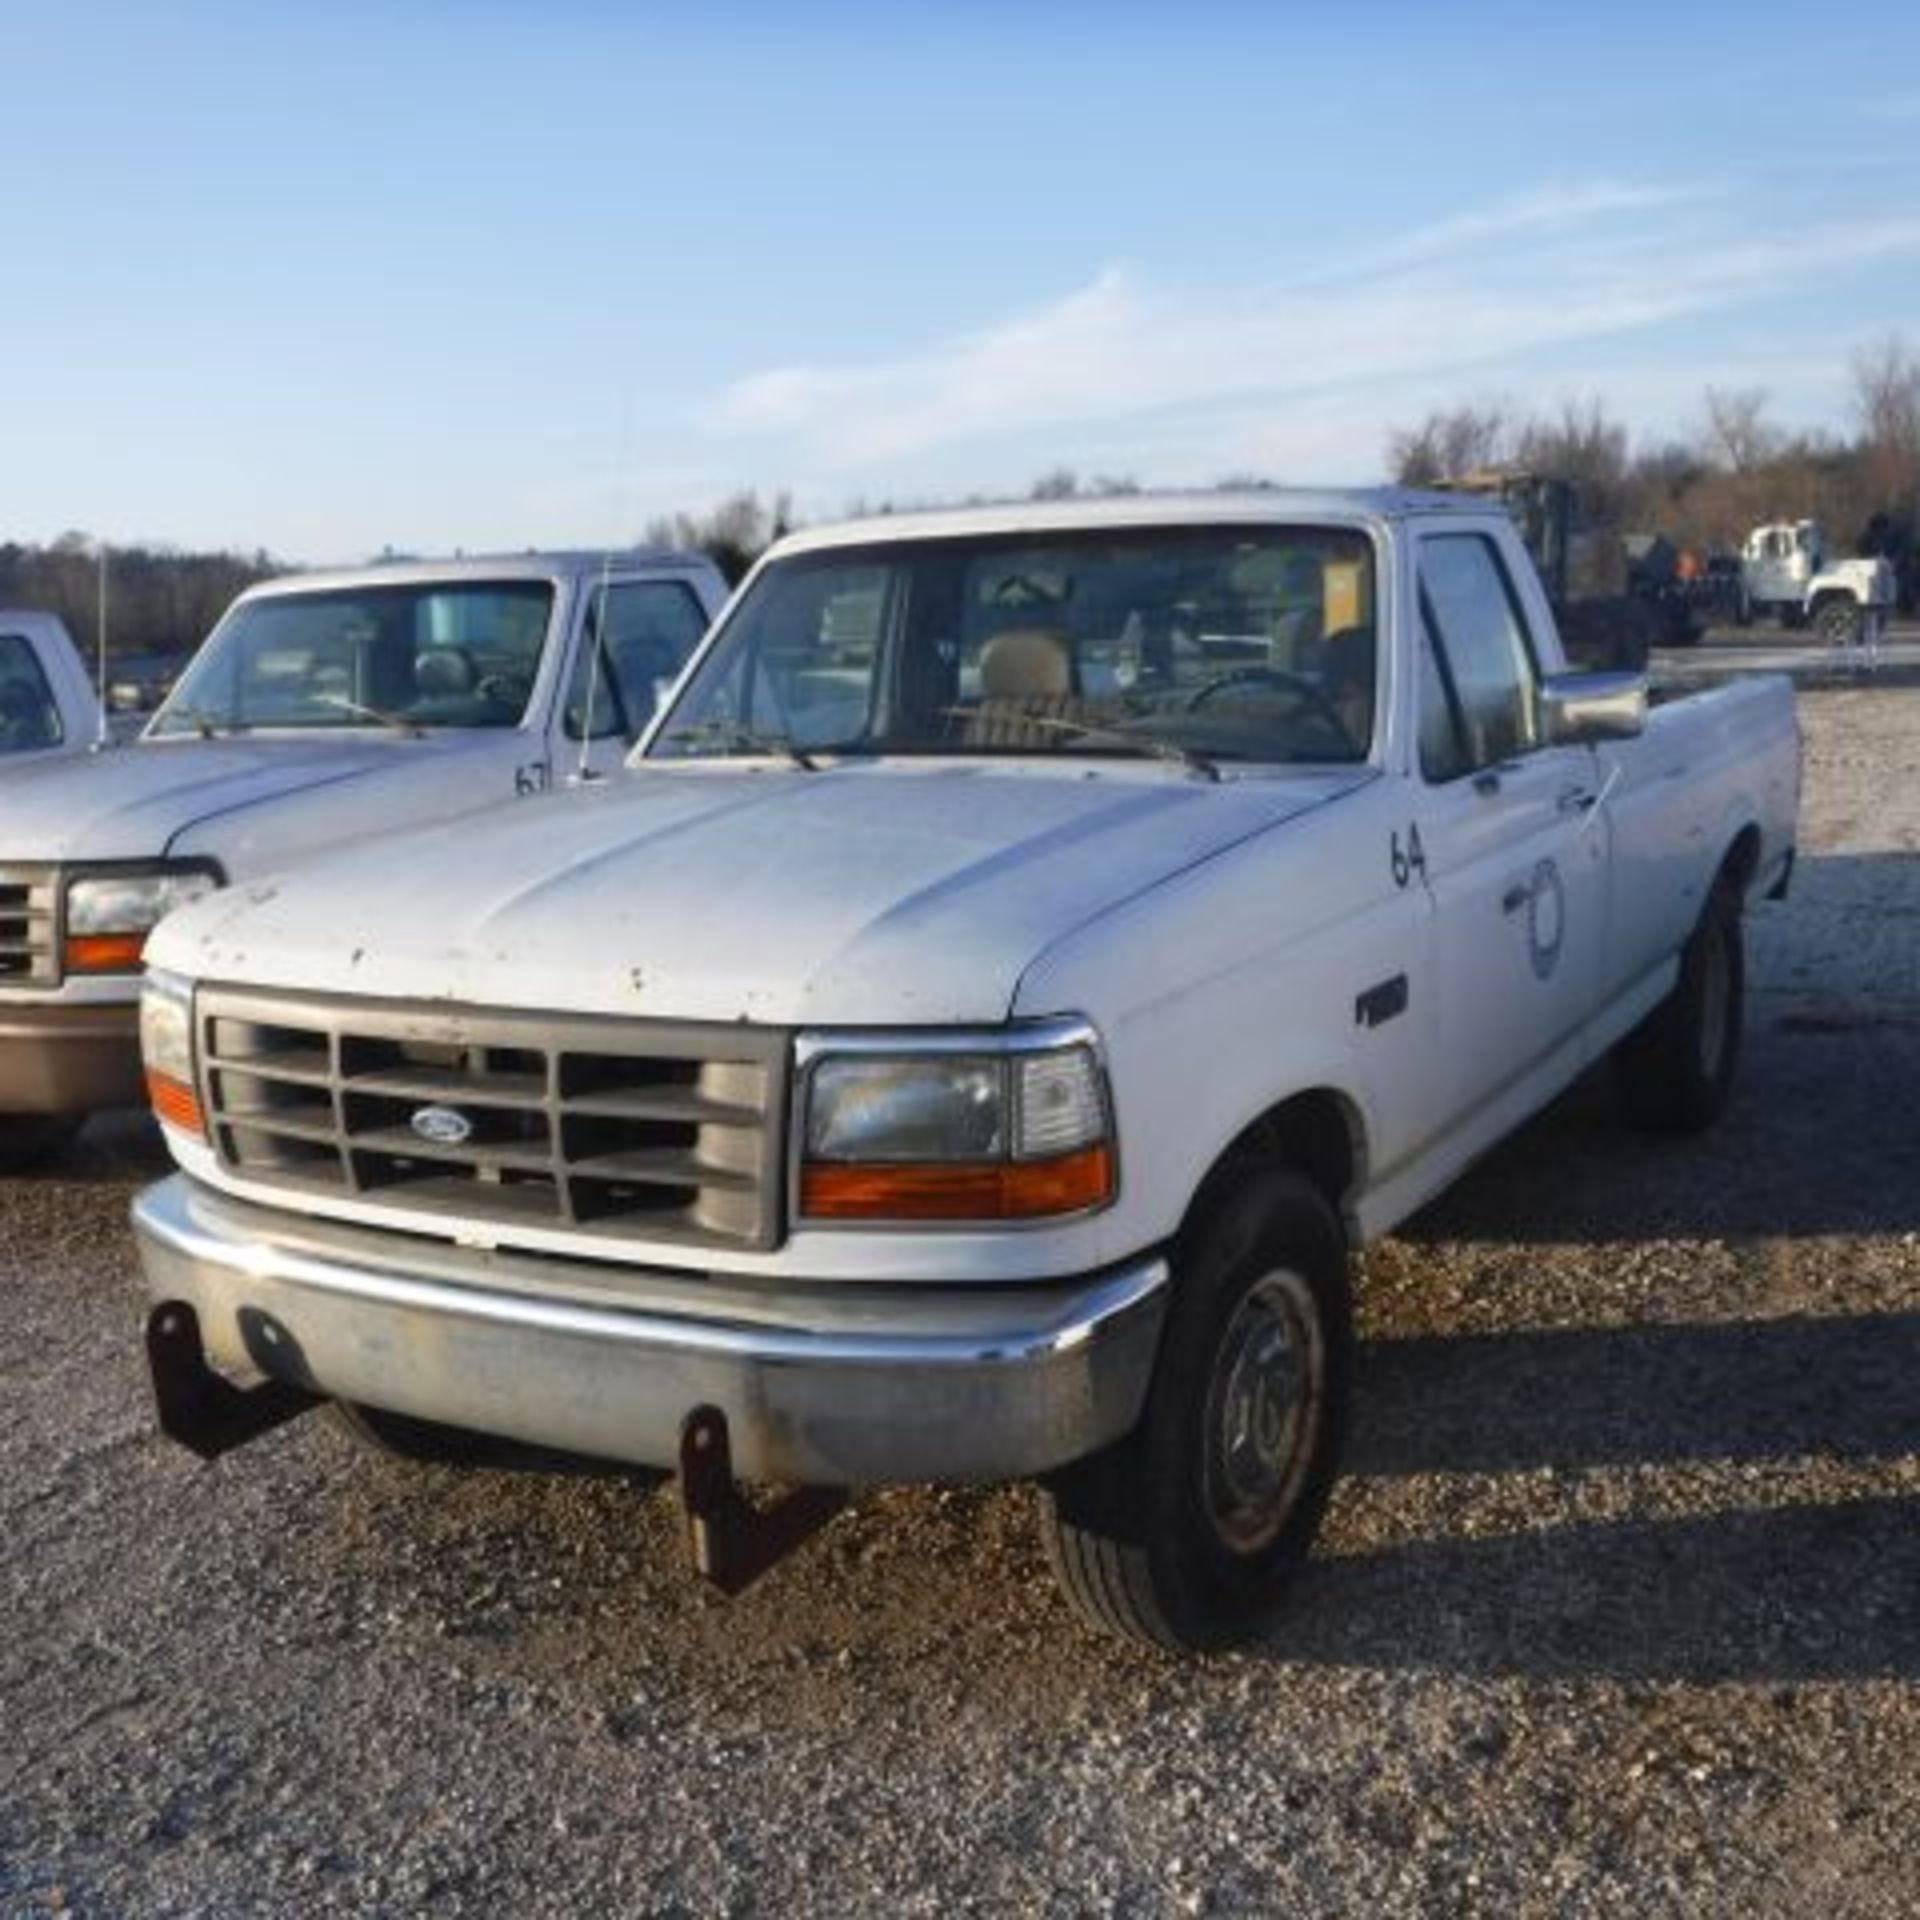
29, 926
627, 1128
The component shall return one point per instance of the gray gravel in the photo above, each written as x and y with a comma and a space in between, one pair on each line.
1617, 1612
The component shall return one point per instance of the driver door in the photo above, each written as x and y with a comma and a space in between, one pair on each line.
1512, 850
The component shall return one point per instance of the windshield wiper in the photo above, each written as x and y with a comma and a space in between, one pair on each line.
1142, 743
398, 721
201, 720
731, 739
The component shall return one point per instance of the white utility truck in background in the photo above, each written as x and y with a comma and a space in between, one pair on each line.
1035, 948
47, 702
322, 708
1787, 571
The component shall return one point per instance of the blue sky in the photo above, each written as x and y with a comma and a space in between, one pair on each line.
324, 279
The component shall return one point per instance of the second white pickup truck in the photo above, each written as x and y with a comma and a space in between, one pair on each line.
323, 708
1037, 947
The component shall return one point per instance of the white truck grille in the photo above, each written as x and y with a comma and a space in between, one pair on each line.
627, 1128
29, 926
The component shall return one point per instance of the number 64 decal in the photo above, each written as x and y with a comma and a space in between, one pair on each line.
1409, 858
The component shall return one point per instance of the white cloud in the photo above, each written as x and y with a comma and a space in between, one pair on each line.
1476, 294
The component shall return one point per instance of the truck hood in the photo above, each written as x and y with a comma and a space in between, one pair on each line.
132, 803
897, 894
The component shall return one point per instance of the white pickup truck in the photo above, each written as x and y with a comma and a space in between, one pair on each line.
322, 708
1039, 946
47, 703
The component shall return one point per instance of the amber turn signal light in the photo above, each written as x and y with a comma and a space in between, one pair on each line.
105, 952
991, 1190
176, 1103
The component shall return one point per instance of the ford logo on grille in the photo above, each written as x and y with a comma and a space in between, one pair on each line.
444, 1126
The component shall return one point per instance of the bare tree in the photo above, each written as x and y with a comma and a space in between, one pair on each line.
1451, 443
1737, 434
733, 534
1886, 386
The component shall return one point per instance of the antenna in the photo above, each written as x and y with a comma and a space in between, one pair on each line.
100, 652
595, 628
583, 769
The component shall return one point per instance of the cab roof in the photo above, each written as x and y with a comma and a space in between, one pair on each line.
1275, 506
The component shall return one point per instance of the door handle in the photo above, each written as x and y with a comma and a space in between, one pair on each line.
1576, 799
1516, 897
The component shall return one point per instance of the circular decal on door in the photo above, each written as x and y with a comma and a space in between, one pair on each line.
1546, 919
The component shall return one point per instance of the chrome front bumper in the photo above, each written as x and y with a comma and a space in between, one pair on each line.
821, 1382
60, 1057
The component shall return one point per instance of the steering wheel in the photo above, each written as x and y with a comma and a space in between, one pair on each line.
501, 689
1309, 693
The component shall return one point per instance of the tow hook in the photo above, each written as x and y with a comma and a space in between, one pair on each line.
201, 1409
734, 1541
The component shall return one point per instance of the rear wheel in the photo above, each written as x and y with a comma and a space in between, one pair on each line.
1185, 1533
1676, 1068
28, 1139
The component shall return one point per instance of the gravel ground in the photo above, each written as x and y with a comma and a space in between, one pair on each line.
1618, 1609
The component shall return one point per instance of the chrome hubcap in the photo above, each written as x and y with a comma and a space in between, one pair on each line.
1263, 1410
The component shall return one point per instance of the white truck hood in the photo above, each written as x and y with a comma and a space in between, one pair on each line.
858, 895
133, 803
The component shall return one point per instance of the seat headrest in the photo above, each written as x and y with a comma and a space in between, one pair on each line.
1026, 663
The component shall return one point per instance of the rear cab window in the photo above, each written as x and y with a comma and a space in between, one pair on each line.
29, 714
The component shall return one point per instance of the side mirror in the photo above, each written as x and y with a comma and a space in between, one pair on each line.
1577, 709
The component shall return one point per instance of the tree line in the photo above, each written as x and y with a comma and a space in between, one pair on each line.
1737, 468
1706, 489
157, 600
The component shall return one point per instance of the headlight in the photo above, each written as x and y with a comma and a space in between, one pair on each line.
166, 1049
109, 915
1015, 1129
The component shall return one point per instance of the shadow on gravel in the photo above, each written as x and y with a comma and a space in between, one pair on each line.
1809, 1592
1819, 1136
1805, 1590
1846, 1388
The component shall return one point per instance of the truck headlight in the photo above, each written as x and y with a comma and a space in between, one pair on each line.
166, 1050
1013, 1126
109, 915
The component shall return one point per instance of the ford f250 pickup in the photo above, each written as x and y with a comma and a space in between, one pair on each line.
1036, 948
322, 708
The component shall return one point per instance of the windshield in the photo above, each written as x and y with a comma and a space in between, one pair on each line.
1212, 643
426, 655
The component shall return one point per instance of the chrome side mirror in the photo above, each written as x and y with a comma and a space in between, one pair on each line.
1577, 709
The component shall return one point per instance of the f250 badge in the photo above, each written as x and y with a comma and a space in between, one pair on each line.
1546, 919
444, 1126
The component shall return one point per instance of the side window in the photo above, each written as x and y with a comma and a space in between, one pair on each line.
639, 634
1478, 685
28, 716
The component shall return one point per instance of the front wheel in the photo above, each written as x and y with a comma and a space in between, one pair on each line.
1676, 1068
1184, 1534
1837, 621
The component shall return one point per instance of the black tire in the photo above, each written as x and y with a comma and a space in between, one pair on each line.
1837, 621
1676, 1068
30, 1139
1183, 1535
